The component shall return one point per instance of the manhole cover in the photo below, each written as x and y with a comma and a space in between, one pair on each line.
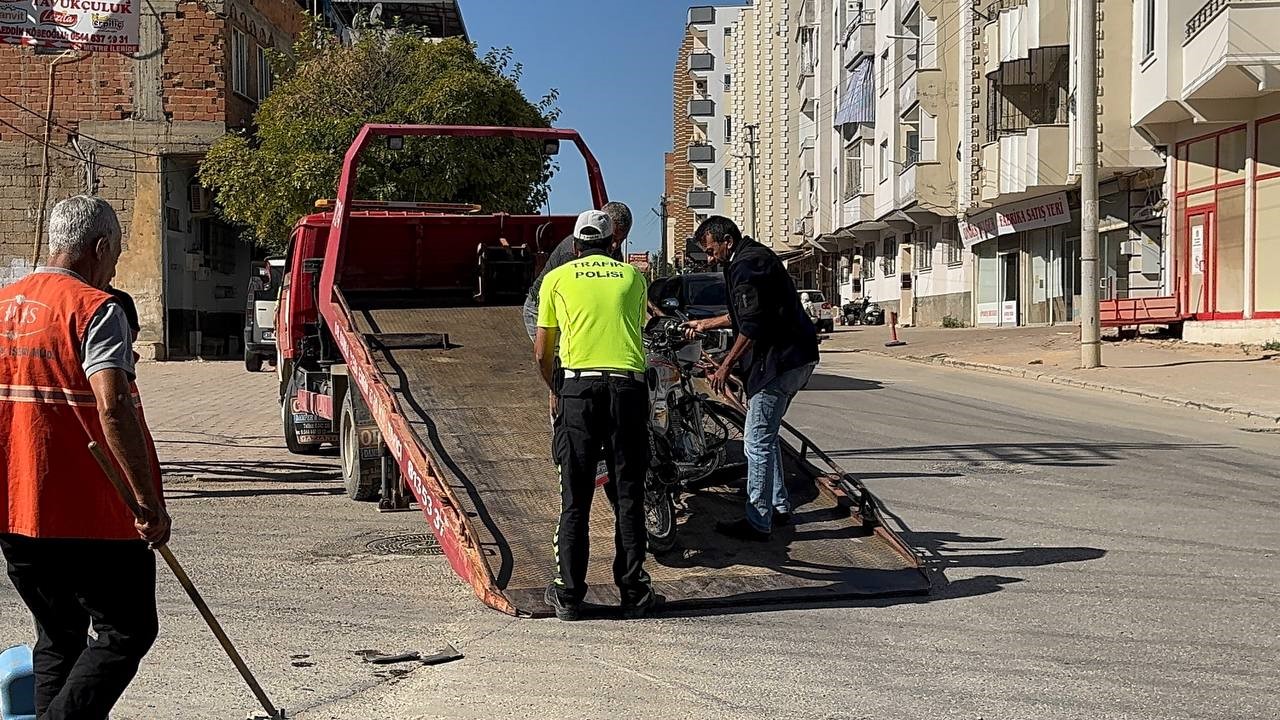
405, 545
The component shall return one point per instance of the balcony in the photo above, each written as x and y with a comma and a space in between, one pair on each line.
859, 37
857, 209
702, 62
908, 90
701, 199
907, 185
1232, 50
1029, 162
702, 154
702, 107
702, 15
1022, 28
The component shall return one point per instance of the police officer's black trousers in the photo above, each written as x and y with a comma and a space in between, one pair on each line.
602, 417
69, 585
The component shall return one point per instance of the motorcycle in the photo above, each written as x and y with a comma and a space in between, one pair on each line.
863, 312
687, 437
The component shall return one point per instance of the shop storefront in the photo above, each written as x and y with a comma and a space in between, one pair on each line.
1027, 262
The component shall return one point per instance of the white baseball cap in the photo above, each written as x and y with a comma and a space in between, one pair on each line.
593, 225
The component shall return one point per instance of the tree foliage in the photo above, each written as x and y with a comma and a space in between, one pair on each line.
268, 178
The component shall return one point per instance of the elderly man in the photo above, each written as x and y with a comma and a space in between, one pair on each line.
75, 553
620, 215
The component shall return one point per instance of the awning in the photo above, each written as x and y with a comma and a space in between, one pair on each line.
858, 103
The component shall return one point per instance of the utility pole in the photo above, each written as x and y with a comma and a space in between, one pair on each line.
662, 242
1087, 124
751, 165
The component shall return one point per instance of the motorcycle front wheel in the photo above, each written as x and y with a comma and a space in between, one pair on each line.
659, 520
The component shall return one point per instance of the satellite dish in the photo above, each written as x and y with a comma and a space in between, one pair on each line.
375, 15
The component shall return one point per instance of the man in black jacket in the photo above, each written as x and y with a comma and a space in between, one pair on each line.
777, 348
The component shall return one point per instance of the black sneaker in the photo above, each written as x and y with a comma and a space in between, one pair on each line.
564, 610
781, 518
742, 530
649, 603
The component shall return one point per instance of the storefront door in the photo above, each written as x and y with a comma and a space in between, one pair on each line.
1009, 288
1199, 244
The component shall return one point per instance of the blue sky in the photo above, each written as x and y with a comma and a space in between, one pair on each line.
612, 61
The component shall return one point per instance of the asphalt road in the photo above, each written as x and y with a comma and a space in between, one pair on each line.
1093, 557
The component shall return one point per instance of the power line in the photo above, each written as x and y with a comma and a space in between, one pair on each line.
76, 157
99, 141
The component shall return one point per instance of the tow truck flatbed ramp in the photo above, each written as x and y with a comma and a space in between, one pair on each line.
480, 409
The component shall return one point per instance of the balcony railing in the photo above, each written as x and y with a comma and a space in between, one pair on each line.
702, 107
702, 198
702, 62
1028, 93
702, 15
702, 153
1205, 15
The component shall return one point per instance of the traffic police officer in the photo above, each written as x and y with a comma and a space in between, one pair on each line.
595, 307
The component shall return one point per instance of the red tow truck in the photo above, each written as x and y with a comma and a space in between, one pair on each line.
400, 339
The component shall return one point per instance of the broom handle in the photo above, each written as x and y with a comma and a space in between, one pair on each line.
185, 581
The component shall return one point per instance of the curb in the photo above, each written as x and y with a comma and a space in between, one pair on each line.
1073, 382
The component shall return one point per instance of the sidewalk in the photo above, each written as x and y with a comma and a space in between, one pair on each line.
216, 421
1229, 380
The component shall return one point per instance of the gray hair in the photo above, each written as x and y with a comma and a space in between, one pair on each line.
77, 222
619, 213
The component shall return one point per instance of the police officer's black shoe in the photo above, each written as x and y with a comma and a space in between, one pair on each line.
742, 530
781, 519
649, 603
567, 611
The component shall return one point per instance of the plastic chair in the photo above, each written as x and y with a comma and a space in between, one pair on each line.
17, 684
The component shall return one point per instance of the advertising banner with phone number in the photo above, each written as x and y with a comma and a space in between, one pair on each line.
102, 25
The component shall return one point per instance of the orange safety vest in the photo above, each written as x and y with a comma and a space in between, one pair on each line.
53, 488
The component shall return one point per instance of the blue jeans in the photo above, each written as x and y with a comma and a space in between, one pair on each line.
766, 484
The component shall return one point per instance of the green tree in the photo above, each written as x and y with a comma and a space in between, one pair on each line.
268, 178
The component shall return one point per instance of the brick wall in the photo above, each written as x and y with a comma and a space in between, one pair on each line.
680, 217
193, 75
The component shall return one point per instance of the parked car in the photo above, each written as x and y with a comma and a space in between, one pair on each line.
699, 295
819, 310
260, 313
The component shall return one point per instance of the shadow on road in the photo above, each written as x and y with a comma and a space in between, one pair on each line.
821, 382
184, 493
1052, 454
221, 470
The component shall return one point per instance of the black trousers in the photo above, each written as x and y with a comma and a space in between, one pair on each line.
68, 585
602, 417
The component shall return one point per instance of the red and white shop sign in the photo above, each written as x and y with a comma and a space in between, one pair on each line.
102, 25
1040, 212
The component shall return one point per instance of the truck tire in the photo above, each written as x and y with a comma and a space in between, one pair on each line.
290, 432
362, 476
252, 361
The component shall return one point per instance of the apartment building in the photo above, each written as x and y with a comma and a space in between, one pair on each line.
1206, 91
890, 177
703, 174
761, 102
1021, 202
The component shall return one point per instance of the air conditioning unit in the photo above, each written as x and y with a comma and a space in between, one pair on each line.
200, 198
1131, 247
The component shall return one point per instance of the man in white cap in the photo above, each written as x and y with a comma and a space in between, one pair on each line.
595, 307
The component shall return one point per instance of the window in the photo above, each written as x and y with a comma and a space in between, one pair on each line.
728, 81
853, 172
889, 263
1149, 28
913, 148
728, 31
239, 63
728, 181
264, 74
923, 255
869, 262
911, 60
728, 129
884, 160
951, 240
884, 70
